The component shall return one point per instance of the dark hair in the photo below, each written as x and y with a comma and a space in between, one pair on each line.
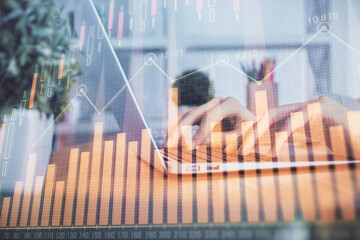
194, 88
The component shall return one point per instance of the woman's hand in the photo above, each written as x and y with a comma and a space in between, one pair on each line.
228, 111
231, 114
331, 113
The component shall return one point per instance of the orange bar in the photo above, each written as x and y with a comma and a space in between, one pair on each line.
267, 178
317, 131
186, 186
36, 201
144, 186
251, 181
28, 190
82, 189
172, 180
95, 174
70, 187
173, 194
32, 93
106, 183
173, 118
131, 183
233, 180
16, 204
48, 193
5, 211
344, 184
186, 138
61, 68
262, 115
217, 179
202, 194
158, 189
287, 198
118, 179
338, 146
354, 130
216, 144
2, 134
323, 179
304, 177
248, 140
58, 199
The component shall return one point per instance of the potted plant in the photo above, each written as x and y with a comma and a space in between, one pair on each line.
34, 84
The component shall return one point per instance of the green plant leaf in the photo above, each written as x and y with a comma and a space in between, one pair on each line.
33, 33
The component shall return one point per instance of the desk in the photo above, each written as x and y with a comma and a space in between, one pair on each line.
296, 191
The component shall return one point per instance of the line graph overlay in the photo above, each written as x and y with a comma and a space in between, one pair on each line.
292, 55
150, 60
52, 124
343, 42
162, 71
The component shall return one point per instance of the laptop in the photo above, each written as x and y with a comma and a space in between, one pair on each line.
170, 163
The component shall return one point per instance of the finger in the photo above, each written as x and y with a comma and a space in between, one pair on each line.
182, 113
212, 115
294, 126
272, 117
286, 126
188, 118
211, 121
281, 138
279, 147
228, 108
280, 113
